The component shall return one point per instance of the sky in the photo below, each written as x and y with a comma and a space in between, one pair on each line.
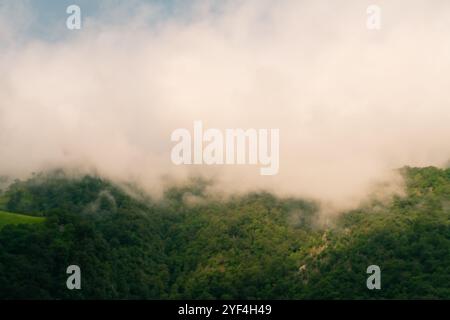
46, 19
351, 104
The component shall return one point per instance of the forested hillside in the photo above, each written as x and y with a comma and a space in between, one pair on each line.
189, 245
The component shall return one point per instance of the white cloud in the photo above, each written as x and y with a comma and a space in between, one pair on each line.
350, 104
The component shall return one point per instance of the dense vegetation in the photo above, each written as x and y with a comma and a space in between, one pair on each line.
190, 245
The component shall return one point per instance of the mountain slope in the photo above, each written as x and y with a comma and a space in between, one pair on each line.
189, 245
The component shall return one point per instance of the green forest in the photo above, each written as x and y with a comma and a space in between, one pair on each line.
248, 246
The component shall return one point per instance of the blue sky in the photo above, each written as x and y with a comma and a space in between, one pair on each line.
48, 17
50, 10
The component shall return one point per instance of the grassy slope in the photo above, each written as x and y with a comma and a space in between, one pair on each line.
13, 218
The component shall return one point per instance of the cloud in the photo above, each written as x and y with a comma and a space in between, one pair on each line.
351, 104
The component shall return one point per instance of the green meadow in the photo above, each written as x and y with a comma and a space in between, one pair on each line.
14, 218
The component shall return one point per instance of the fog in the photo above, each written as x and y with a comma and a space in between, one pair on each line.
352, 104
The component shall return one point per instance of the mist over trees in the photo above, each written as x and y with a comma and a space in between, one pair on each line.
252, 246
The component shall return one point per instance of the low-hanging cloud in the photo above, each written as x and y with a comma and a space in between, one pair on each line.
351, 104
